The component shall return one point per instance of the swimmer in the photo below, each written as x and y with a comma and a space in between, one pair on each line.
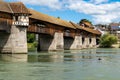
99, 59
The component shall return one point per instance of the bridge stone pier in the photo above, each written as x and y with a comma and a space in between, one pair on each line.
77, 43
86, 42
18, 39
73, 43
47, 42
14, 42
93, 42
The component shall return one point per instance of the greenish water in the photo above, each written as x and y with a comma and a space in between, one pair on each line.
67, 65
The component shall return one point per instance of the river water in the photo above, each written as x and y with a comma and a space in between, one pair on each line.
87, 64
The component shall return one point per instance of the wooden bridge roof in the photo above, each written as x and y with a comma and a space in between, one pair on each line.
87, 29
19, 7
14, 7
53, 20
50, 19
4, 7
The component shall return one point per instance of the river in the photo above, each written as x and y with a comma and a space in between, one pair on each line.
86, 64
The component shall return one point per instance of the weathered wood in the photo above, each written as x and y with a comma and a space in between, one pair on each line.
69, 33
5, 15
5, 24
41, 27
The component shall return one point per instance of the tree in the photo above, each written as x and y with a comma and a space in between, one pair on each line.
30, 38
107, 40
82, 21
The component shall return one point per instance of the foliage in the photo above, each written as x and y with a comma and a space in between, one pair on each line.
32, 45
84, 20
30, 38
31, 41
107, 40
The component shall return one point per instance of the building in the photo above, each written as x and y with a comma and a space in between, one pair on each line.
114, 28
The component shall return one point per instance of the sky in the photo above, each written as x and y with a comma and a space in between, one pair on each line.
96, 11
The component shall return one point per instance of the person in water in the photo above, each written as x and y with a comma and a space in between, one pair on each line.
99, 59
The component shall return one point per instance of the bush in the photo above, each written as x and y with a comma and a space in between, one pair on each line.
32, 45
30, 37
107, 40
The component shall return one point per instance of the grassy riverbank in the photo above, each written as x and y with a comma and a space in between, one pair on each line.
116, 45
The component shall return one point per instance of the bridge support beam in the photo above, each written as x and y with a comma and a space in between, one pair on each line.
15, 42
73, 43
50, 43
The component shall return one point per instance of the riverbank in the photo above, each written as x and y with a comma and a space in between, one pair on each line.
116, 45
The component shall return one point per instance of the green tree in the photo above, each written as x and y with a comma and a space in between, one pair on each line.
30, 38
84, 20
107, 40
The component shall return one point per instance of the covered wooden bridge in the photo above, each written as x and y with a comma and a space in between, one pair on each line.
54, 33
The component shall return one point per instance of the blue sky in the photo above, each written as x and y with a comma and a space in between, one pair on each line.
97, 11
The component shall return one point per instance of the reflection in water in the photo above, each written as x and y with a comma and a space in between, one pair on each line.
67, 65
45, 58
67, 55
14, 57
72, 55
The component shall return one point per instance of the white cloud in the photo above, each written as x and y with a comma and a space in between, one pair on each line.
98, 1
101, 13
54, 4
85, 7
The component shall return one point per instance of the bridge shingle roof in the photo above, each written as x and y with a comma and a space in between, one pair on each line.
19, 7
86, 29
50, 19
4, 7
13, 7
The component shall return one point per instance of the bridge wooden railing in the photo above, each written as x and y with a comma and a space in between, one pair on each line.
5, 24
69, 34
32, 28
39, 30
